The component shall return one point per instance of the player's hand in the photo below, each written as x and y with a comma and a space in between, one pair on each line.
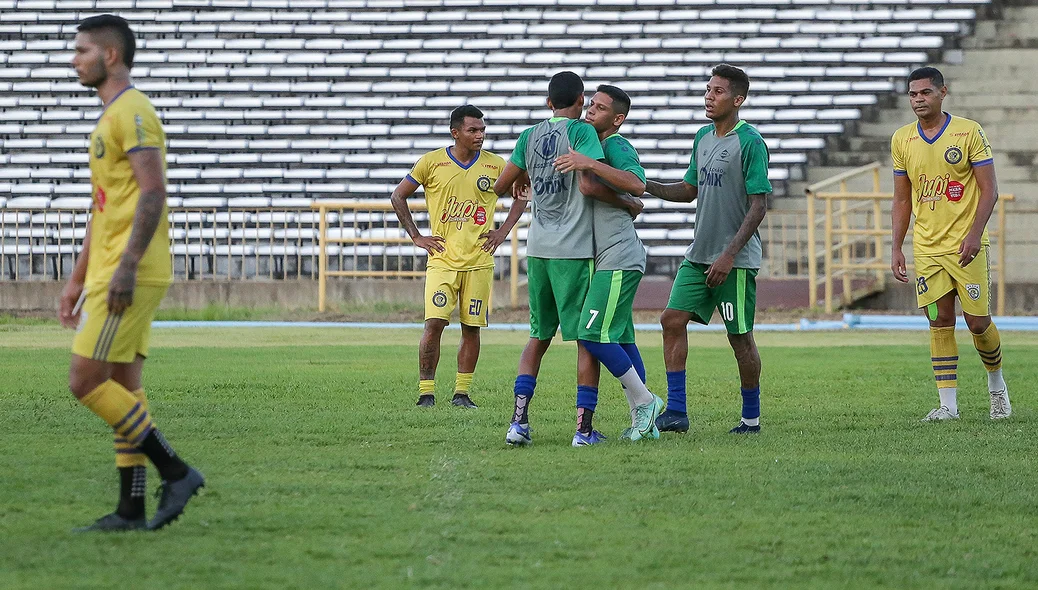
718, 271
573, 161
431, 244
968, 249
898, 266
494, 238
120, 289
69, 297
634, 205
521, 186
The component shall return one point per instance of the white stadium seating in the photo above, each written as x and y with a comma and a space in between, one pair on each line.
272, 104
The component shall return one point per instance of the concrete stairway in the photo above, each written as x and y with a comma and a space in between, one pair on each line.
993, 79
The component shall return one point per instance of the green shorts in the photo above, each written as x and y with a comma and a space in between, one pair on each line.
557, 289
735, 298
608, 315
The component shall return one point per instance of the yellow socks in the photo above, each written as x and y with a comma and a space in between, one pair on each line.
114, 404
989, 345
426, 386
462, 383
944, 354
127, 455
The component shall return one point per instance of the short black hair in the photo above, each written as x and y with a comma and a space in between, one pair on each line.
621, 101
564, 89
117, 25
738, 81
928, 73
458, 115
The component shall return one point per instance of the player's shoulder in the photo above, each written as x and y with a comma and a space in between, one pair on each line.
750, 139
488, 158
433, 156
618, 142
906, 131
704, 130
133, 99
747, 131
576, 125
962, 124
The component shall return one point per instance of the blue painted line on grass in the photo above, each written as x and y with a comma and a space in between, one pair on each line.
850, 322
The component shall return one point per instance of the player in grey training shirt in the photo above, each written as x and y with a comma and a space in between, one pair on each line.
728, 172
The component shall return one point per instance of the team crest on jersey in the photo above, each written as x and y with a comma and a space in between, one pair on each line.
953, 155
99, 147
483, 183
439, 299
973, 290
548, 146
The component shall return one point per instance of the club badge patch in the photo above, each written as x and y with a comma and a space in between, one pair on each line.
483, 183
973, 290
953, 155
439, 299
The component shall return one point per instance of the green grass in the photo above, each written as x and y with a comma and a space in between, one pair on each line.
323, 474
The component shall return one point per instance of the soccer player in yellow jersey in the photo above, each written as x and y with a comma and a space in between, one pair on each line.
121, 276
944, 173
459, 191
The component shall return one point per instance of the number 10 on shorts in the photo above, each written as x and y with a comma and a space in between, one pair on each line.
727, 309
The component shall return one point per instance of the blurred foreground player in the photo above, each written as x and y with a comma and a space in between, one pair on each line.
122, 275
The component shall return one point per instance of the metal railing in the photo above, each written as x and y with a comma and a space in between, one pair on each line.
339, 242
856, 238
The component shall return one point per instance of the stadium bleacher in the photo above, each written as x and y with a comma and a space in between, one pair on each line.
272, 104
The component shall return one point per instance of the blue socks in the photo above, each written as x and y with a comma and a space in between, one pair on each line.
587, 397
676, 392
524, 385
636, 359
612, 356
751, 404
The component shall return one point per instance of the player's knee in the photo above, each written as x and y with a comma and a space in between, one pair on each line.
977, 324
435, 326
80, 383
672, 321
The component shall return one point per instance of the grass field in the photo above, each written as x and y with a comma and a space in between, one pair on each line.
323, 474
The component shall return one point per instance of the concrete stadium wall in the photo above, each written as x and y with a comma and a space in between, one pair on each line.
1021, 298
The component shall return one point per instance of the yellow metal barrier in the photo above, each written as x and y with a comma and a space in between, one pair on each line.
861, 216
383, 209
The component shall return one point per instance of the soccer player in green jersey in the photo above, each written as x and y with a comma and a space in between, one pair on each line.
607, 321
728, 173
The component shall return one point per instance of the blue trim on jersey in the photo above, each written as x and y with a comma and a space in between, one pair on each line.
900, 173
919, 126
111, 102
141, 147
463, 166
411, 178
987, 162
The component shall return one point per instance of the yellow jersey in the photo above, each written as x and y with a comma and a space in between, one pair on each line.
945, 194
128, 123
461, 201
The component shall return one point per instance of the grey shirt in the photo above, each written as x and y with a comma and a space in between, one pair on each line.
562, 216
617, 246
727, 170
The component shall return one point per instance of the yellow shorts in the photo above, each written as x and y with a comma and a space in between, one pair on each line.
938, 275
444, 289
119, 338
